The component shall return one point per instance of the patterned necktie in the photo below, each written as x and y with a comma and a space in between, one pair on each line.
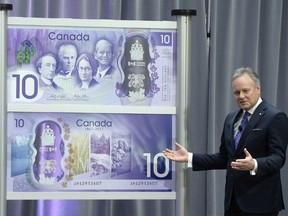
99, 75
241, 128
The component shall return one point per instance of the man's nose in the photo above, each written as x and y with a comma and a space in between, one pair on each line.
241, 95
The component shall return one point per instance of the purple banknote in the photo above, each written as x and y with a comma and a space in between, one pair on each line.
102, 152
100, 66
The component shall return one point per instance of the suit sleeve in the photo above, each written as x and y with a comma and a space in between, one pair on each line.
277, 144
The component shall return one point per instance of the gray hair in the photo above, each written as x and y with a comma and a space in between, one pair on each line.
67, 45
101, 42
249, 71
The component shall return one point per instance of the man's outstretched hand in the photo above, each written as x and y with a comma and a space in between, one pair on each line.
179, 155
246, 164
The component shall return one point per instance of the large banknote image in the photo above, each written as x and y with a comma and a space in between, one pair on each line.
67, 152
91, 66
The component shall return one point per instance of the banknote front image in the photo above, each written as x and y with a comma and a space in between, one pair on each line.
91, 66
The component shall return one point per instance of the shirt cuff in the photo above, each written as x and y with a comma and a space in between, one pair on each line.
253, 172
190, 158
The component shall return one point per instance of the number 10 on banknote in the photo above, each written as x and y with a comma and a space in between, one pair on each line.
101, 152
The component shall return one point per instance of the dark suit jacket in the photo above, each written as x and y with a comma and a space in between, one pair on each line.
53, 86
265, 137
110, 73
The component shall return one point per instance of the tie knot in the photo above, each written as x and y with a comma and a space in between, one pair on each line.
99, 75
246, 114
245, 119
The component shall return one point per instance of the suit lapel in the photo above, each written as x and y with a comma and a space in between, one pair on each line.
257, 115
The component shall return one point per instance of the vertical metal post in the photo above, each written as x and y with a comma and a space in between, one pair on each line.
184, 48
3, 105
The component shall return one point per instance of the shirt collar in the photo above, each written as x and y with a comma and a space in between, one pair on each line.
103, 72
46, 81
251, 111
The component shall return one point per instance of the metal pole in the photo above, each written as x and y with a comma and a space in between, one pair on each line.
4, 8
184, 48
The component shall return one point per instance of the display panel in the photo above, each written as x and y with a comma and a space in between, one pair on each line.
91, 106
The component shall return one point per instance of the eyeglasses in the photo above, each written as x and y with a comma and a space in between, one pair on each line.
86, 69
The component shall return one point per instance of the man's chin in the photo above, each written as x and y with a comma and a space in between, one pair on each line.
245, 106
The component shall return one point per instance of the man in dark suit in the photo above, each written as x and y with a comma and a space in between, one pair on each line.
253, 182
66, 77
104, 55
106, 74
